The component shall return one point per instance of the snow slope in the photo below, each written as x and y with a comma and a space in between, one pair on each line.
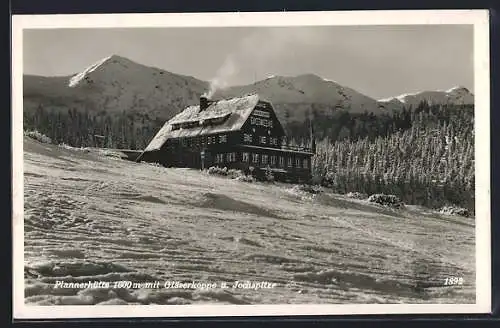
78, 78
89, 217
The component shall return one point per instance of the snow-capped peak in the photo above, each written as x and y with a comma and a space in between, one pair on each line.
456, 95
457, 88
453, 89
75, 79
387, 99
401, 98
328, 80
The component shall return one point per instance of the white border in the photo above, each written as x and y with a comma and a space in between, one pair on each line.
480, 20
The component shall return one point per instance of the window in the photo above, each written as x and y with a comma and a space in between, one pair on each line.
282, 161
247, 137
273, 160
273, 141
246, 157
264, 159
297, 162
209, 140
219, 158
222, 138
290, 162
261, 121
261, 113
306, 163
262, 140
231, 157
255, 158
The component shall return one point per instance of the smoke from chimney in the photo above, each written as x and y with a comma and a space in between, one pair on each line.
222, 76
257, 51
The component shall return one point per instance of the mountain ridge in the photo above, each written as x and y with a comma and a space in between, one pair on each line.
458, 95
116, 83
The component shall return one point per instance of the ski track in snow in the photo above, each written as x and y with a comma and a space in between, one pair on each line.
90, 217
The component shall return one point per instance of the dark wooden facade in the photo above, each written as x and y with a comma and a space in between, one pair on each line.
256, 146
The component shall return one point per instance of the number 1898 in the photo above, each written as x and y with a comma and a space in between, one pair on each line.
454, 281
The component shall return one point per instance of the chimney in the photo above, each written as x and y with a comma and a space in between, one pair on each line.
203, 103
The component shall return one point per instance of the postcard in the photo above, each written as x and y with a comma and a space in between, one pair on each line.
251, 164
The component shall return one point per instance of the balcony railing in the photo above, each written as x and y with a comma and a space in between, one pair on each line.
297, 148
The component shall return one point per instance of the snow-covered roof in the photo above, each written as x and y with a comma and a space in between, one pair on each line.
230, 113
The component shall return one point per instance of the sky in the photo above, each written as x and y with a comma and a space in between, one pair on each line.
378, 61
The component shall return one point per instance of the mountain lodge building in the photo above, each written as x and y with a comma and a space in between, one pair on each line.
241, 133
